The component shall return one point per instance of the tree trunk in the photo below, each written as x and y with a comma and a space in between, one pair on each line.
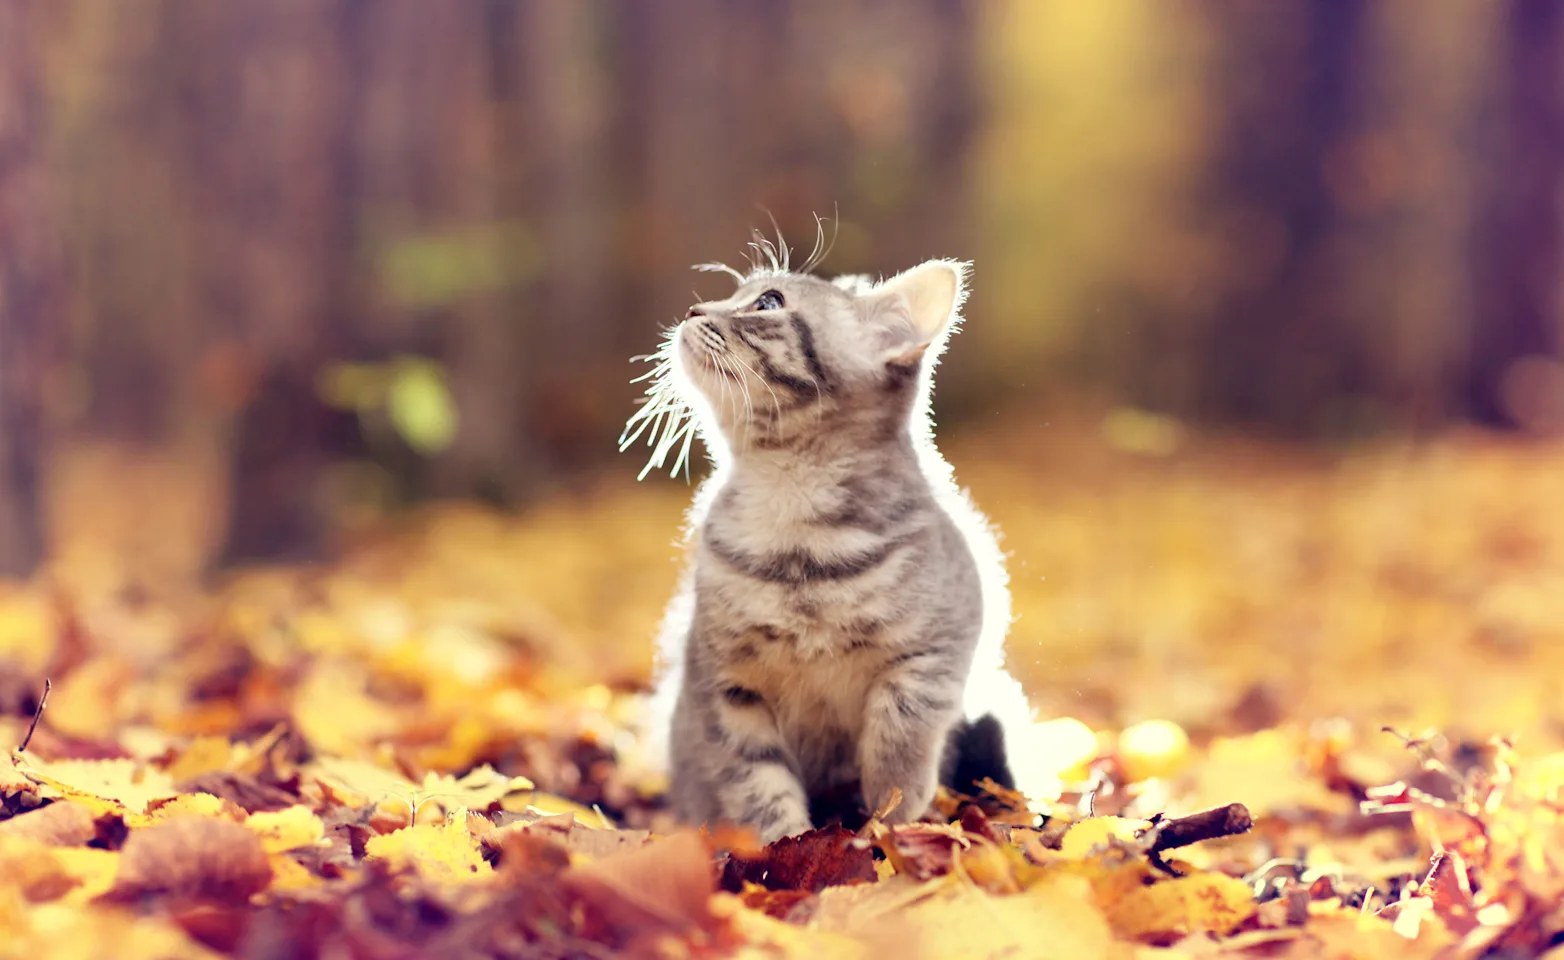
31, 310
1281, 350
1516, 243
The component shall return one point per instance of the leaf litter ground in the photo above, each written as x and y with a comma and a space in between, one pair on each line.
424, 748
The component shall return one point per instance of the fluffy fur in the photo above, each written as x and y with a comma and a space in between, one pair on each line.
843, 617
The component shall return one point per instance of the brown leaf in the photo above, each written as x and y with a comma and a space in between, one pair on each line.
923, 850
59, 824
663, 886
244, 790
564, 830
193, 858
811, 861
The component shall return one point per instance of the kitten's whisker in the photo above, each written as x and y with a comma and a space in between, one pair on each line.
722, 377
775, 401
720, 268
743, 388
663, 417
824, 247
781, 245
814, 252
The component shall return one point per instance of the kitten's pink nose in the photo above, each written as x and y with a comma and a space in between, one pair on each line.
694, 312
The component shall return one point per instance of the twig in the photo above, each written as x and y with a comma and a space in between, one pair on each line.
37, 715
1225, 821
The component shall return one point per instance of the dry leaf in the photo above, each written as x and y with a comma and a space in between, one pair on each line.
193, 858
1054, 920
41, 873
663, 886
811, 861
438, 853
62, 823
287, 829
129, 784
1177, 907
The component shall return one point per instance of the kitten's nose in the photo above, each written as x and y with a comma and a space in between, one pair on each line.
694, 312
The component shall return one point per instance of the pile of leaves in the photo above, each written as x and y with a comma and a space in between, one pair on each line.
428, 747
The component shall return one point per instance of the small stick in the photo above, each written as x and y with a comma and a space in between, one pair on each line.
37, 715
1225, 821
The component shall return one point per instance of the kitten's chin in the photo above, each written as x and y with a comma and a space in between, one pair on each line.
702, 369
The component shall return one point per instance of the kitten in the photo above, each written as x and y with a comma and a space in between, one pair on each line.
844, 615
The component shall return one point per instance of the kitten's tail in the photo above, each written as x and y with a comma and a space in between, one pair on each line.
975, 752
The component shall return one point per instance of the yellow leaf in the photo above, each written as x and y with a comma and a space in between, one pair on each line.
333, 712
437, 853
201, 755
1095, 831
287, 829
198, 804
764, 936
1180, 906
94, 871
373, 783
550, 805
87, 702
1054, 920
125, 783
476, 789
41, 873
71, 930
289, 874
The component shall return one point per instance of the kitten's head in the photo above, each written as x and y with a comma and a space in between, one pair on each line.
789, 355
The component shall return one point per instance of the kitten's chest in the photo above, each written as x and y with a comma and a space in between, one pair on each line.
786, 568
817, 703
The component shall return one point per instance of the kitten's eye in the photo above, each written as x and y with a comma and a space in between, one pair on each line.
770, 300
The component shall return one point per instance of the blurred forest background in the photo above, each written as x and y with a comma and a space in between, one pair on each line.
268, 266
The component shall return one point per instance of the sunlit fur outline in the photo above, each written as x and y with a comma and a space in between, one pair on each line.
991, 687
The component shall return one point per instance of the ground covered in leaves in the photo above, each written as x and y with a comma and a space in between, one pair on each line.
426, 747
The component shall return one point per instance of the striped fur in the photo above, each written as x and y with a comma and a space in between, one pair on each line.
844, 613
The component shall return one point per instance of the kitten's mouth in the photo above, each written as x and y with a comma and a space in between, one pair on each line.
707, 346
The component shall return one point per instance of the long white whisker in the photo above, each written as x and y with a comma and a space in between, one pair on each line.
814, 251
722, 371
743, 387
663, 417
781, 245
719, 268
775, 401
823, 247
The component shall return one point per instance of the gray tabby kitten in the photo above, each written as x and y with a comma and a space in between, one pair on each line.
844, 615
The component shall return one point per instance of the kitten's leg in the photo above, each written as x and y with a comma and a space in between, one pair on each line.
907, 720
751, 777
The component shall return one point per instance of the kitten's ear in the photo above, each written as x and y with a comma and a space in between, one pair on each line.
914, 308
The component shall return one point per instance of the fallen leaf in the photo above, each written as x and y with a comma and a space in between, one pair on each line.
663, 886
288, 829
1176, 907
1054, 920
438, 853
810, 861
42, 873
62, 823
193, 858
125, 783
1088, 834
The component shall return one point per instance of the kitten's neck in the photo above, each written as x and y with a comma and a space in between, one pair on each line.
827, 459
